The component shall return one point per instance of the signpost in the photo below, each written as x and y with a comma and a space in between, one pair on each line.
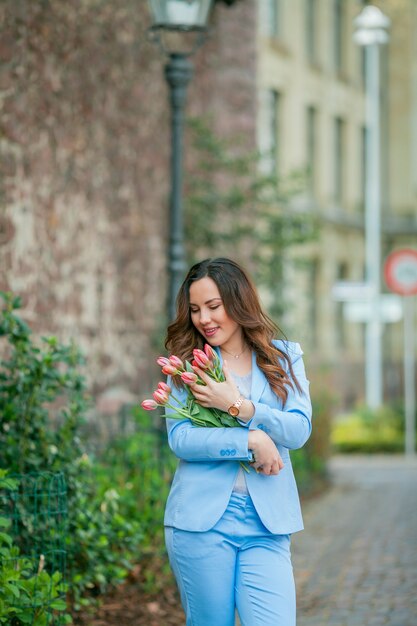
400, 273
391, 309
345, 290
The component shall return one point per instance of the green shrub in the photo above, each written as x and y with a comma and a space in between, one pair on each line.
368, 431
42, 405
140, 468
105, 544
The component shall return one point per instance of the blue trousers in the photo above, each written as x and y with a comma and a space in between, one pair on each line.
236, 564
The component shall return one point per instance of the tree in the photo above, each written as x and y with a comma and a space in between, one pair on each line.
232, 208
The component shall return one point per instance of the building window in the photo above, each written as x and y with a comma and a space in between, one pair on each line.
342, 275
339, 34
314, 297
339, 152
311, 30
311, 149
271, 18
269, 130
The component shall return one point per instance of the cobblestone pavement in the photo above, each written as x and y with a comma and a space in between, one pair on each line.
356, 562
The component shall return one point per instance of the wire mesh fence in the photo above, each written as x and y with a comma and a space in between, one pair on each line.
33, 514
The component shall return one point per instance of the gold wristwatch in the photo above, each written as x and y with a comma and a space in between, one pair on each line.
233, 410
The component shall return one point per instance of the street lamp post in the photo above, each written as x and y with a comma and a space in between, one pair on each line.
371, 32
187, 16
178, 73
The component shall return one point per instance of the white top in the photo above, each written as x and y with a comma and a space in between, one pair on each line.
244, 384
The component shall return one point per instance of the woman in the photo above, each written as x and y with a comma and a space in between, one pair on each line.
227, 531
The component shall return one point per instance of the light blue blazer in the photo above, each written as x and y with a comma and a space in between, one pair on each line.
208, 465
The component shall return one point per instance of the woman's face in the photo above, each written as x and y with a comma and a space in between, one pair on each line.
209, 315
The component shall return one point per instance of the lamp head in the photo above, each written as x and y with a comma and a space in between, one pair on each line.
371, 26
180, 15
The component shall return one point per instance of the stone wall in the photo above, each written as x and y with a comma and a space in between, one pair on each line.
84, 149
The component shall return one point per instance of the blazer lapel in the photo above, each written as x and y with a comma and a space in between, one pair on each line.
259, 380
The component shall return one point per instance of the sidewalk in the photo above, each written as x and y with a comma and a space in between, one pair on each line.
356, 561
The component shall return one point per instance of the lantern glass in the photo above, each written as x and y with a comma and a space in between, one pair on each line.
180, 14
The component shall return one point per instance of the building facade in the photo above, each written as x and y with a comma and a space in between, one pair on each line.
311, 115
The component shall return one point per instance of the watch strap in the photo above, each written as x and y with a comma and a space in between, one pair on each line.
234, 408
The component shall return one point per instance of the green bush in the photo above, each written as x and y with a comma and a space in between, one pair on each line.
140, 468
368, 431
42, 405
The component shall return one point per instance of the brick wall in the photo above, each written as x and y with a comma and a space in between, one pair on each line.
84, 180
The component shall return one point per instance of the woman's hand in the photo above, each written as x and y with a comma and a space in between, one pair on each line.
267, 458
213, 394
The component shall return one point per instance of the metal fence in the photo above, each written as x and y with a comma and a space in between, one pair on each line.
33, 511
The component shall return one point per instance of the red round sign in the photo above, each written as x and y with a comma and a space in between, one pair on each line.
400, 271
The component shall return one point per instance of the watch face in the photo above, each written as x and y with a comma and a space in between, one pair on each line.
233, 411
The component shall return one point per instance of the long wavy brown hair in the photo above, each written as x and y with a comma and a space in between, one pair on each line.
241, 303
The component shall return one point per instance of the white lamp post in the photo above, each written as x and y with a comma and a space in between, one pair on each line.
371, 28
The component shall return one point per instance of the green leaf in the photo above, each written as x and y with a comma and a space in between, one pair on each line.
13, 590
228, 421
4, 522
6, 539
207, 417
58, 605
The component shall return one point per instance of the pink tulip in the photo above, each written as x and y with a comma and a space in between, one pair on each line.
149, 405
176, 362
162, 361
210, 352
194, 363
201, 359
161, 397
189, 378
164, 387
169, 370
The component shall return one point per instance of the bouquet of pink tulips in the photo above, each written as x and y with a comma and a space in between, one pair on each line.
206, 360
199, 415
